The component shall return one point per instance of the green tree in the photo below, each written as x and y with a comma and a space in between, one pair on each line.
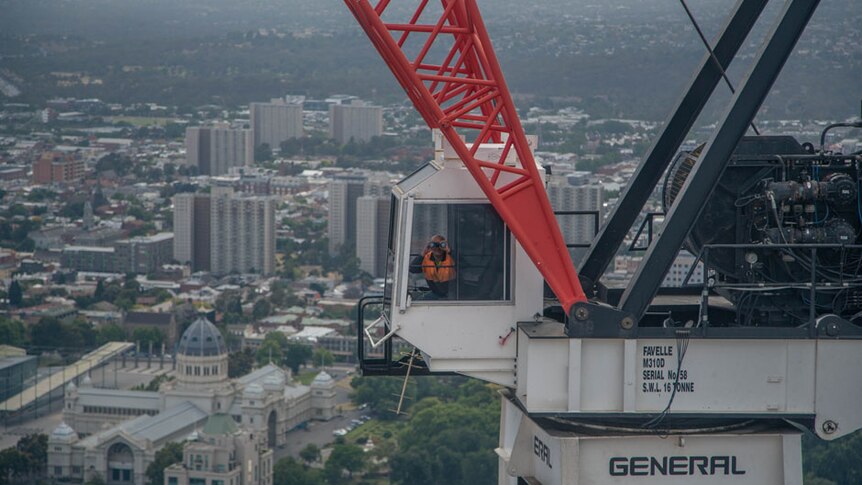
310, 453
12, 466
343, 457
110, 333
126, 299
289, 471
146, 335
382, 394
48, 332
26, 245
169, 454
34, 450
269, 351
12, 331
281, 295
262, 309
297, 355
837, 461
130, 283
462, 430
240, 363
81, 333
262, 153
16, 296
99, 294
229, 302
322, 357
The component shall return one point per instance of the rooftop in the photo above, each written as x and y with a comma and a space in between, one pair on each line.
220, 424
155, 428
202, 338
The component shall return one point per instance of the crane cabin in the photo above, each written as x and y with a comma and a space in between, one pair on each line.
456, 307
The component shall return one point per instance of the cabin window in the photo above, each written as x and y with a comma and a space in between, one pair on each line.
459, 252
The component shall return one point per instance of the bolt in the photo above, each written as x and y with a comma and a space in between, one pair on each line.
581, 313
627, 323
829, 427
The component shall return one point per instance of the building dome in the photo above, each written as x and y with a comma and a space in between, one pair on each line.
87, 382
201, 339
64, 433
323, 379
71, 387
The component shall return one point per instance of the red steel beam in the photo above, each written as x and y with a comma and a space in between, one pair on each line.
463, 92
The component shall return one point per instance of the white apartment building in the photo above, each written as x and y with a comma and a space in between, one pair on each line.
576, 229
275, 122
355, 121
242, 233
372, 233
343, 192
214, 149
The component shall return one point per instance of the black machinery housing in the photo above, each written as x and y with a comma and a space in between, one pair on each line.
779, 235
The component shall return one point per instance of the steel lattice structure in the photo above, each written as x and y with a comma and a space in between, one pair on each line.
455, 82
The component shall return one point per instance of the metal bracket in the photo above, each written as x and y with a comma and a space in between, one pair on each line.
595, 319
376, 323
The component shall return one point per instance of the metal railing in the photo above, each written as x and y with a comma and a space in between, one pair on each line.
379, 359
596, 222
648, 224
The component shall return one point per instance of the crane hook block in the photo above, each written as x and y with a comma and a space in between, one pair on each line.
442, 56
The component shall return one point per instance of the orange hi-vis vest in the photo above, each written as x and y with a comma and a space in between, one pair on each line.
438, 272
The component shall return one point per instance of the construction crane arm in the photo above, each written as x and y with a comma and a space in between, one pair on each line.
443, 59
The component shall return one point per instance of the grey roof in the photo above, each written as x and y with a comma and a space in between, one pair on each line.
259, 375
202, 338
13, 361
149, 318
296, 391
156, 429
163, 425
94, 396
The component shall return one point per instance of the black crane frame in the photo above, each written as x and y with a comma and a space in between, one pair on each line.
639, 294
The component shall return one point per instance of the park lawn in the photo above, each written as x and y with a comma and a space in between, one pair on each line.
306, 376
376, 429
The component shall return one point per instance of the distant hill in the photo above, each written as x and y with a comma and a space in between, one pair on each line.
625, 58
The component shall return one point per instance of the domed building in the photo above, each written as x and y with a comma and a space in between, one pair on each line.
116, 433
202, 356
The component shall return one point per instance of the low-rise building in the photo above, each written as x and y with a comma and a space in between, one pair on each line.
92, 259
55, 167
165, 322
16, 370
145, 254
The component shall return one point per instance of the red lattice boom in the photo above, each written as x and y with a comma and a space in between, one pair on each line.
442, 56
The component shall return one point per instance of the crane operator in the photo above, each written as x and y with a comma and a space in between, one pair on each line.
437, 265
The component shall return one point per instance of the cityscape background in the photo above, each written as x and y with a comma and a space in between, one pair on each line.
222, 170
